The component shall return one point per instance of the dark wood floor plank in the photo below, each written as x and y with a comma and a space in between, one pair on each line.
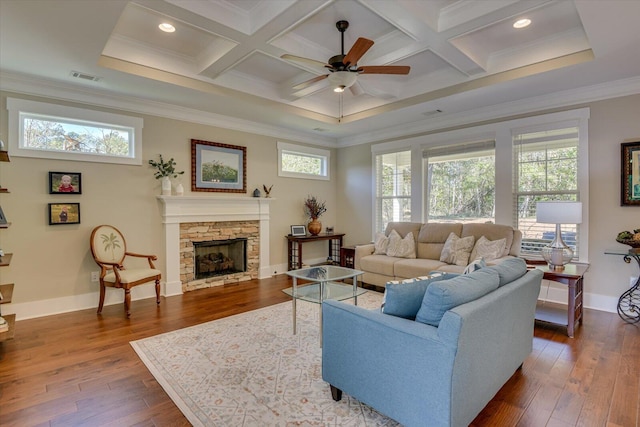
79, 368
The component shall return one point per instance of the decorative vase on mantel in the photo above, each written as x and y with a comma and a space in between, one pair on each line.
314, 227
166, 186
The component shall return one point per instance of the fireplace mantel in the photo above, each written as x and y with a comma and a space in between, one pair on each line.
183, 209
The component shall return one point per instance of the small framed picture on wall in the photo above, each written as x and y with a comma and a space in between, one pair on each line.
65, 183
64, 213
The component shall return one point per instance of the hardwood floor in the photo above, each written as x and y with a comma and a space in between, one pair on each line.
78, 368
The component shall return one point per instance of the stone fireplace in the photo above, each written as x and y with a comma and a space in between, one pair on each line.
189, 219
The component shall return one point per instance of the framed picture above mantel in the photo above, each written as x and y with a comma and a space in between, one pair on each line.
218, 167
630, 180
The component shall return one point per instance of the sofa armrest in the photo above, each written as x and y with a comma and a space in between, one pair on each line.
361, 251
387, 362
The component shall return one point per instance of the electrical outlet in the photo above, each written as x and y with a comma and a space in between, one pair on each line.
95, 276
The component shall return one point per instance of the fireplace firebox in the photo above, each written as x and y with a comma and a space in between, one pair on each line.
220, 257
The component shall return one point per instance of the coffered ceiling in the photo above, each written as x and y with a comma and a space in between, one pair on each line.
225, 56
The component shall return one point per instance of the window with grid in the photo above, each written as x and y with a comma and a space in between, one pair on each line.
545, 169
461, 183
393, 188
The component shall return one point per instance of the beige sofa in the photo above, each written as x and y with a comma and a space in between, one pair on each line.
430, 239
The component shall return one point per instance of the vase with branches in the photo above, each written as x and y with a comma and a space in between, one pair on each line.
165, 171
313, 208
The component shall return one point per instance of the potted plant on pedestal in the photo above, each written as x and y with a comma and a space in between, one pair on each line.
313, 209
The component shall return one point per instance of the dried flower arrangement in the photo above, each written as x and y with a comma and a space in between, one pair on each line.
314, 208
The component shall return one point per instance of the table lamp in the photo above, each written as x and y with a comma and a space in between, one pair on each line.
557, 254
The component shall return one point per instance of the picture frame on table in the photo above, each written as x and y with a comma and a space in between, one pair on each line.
218, 167
298, 230
65, 183
630, 177
64, 213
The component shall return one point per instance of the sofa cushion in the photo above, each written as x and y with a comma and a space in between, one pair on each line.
488, 249
432, 237
403, 299
446, 294
456, 250
509, 270
404, 228
401, 247
379, 264
415, 267
491, 232
380, 244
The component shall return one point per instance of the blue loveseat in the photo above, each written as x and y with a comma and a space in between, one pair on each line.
425, 375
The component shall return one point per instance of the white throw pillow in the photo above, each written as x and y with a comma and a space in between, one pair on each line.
456, 249
475, 266
399, 247
380, 244
488, 249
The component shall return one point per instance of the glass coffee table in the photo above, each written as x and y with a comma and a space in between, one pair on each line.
324, 282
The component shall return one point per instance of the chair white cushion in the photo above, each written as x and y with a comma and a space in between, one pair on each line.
132, 275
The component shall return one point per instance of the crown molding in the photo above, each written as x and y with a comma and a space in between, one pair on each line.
568, 98
28, 85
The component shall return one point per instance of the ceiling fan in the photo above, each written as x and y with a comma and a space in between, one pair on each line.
344, 69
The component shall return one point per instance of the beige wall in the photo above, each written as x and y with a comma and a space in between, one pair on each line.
612, 122
52, 264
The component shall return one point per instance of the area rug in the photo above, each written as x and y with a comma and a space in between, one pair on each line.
250, 370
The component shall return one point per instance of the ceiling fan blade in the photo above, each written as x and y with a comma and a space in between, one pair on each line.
302, 59
359, 48
309, 82
384, 69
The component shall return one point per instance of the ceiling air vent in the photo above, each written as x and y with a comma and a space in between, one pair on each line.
432, 112
84, 76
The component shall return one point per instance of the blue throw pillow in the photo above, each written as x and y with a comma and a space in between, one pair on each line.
510, 270
403, 299
442, 296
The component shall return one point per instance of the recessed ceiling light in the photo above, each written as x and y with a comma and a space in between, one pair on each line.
166, 27
522, 23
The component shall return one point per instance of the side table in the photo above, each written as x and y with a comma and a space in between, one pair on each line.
347, 256
294, 247
572, 276
629, 302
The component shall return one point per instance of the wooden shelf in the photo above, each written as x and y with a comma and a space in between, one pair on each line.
7, 293
4, 156
4, 190
11, 320
5, 260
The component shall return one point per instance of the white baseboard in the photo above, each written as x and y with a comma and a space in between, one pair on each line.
48, 307
30, 310
558, 294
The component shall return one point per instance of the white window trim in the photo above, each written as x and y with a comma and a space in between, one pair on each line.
16, 144
302, 149
501, 132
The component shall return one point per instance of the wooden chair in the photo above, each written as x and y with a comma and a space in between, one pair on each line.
109, 250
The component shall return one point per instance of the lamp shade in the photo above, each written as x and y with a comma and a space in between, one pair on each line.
559, 212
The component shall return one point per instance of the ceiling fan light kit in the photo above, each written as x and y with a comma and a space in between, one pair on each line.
344, 69
340, 80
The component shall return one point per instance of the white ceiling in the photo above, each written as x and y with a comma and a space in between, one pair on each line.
224, 57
